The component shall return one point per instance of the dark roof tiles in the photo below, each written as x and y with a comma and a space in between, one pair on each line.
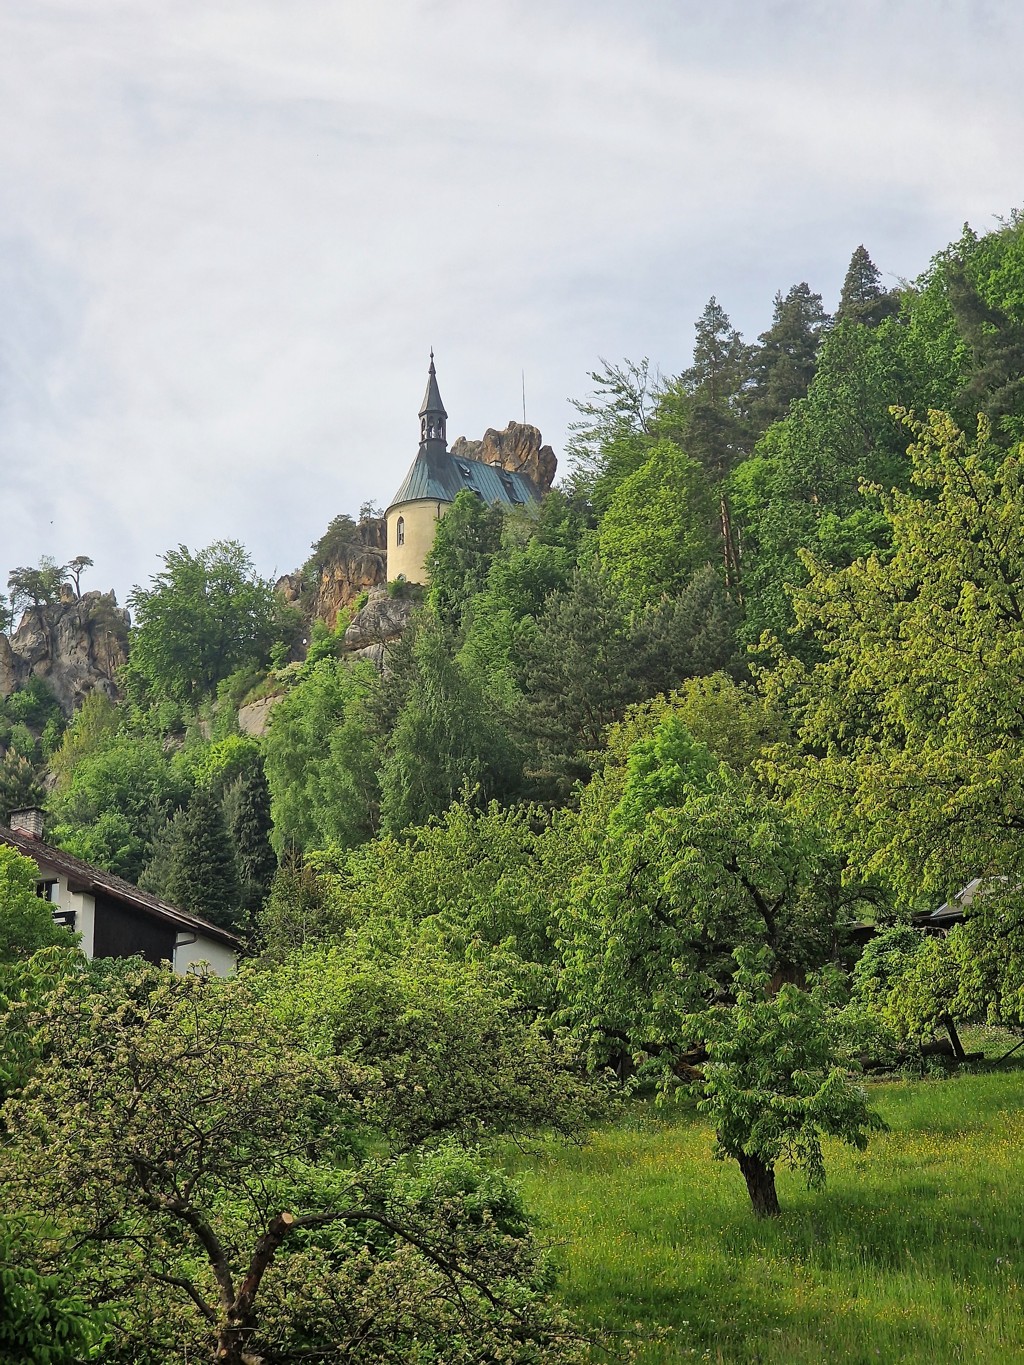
93, 879
438, 476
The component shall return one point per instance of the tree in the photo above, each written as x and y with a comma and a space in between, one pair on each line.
786, 359
26, 923
910, 729
202, 617
656, 530
193, 863
321, 757
612, 435
247, 814
236, 1197
772, 1084
862, 299
588, 657
446, 738
715, 432
706, 405
995, 385
36, 588
689, 861
467, 539
21, 784
75, 569
117, 797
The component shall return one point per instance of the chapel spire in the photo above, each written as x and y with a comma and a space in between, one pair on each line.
432, 415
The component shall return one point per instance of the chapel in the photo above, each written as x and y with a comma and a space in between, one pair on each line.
434, 481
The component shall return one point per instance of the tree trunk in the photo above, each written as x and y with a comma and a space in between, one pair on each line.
230, 1345
760, 1178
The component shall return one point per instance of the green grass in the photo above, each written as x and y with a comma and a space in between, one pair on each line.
914, 1251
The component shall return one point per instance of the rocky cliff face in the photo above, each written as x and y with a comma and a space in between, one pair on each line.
76, 646
350, 570
518, 449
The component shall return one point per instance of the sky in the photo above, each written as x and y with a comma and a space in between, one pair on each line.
230, 233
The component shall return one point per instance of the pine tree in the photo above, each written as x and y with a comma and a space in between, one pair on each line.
709, 398
786, 360
863, 300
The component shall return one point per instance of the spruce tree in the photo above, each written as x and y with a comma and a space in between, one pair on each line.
863, 300
193, 863
786, 359
247, 813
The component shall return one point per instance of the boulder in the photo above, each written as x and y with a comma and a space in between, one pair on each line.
380, 622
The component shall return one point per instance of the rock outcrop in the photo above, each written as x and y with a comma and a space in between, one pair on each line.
76, 646
518, 449
349, 570
378, 624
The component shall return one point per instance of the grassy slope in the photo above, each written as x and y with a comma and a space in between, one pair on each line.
913, 1252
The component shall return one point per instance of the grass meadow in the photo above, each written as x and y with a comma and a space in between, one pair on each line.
914, 1251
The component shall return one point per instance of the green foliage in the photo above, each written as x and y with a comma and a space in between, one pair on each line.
44, 1318
450, 1056
772, 1084
446, 738
121, 789
36, 587
786, 359
302, 909
193, 862
690, 861
909, 724
863, 300
467, 539
26, 922
233, 1192
611, 437
247, 814
587, 658
21, 784
479, 882
204, 616
342, 534
655, 532
321, 759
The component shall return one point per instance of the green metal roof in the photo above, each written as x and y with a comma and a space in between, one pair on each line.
440, 476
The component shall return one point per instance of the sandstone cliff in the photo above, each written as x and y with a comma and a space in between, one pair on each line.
76, 646
518, 449
336, 578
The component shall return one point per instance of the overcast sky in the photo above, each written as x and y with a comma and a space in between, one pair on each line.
230, 232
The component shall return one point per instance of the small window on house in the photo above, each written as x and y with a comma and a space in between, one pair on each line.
400, 531
465, 470
47, 891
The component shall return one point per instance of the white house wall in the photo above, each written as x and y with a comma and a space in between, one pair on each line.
219, 957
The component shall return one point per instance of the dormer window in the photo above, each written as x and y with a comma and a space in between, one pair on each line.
400, 531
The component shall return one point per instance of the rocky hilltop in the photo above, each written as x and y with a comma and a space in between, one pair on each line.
77, 645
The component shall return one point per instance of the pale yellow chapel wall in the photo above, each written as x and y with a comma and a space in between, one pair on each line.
408, 560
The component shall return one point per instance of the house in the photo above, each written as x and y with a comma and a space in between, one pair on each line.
432, 484
114, 918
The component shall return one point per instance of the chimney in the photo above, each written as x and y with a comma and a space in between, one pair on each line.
28, 822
